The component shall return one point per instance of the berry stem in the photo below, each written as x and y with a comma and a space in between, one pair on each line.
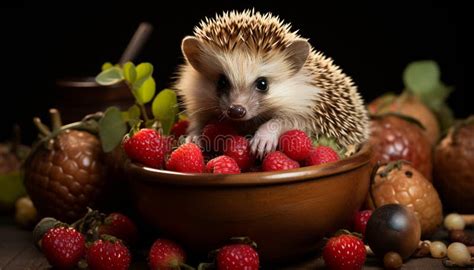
186, 266
55, 119
42, 128
144, 113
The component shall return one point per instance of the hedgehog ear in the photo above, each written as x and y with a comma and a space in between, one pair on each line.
297, 53
190, 46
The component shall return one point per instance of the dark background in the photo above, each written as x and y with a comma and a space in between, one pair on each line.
372, 42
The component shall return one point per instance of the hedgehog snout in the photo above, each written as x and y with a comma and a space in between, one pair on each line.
236, 111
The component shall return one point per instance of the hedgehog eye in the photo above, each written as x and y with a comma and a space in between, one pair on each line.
261, 84
222, 83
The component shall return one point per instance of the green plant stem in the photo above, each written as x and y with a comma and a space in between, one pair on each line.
143, 109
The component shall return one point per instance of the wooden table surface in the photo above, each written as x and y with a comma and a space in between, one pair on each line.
17, 252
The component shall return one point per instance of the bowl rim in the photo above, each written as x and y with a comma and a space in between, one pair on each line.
152, 175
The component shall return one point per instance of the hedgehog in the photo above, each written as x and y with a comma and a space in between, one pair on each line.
253, 69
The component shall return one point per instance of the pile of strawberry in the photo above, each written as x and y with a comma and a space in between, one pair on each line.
225, 151
103, 243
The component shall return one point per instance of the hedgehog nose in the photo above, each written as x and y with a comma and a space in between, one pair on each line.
236, 111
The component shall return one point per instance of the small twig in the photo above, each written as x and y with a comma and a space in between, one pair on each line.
468, 219
55, 119
42, 128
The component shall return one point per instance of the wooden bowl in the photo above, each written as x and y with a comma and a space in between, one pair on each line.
287, 213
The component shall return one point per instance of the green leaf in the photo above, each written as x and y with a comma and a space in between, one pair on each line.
109, 76
144, 71
130, 72
106, 66
421, 77
134, 112
165, 108
146, 92
112, 128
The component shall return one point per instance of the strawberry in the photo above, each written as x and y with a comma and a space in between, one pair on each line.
179, 128
165, 254
237, 256
360, 221
222, 165
187, 158
344, 252
277, 161
108, 255
238, 148
146, 146
120, 226
295, 144
321, 154
63, 247
215, 134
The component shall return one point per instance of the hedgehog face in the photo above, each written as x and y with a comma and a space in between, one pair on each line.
246, 80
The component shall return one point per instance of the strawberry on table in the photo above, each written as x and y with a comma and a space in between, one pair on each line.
344, 252
63, 247
187, 158
237, 257
360, 221
166, 255
295, 144
146, 146
120, 226
108, 255
277, 161
222, 165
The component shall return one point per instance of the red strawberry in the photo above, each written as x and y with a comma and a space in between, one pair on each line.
108, 255
277, 161
120, 226
295, 144
236, 257
166, 255
238, 148
321, 154
344, 252
179, 128
360, 221
146, 146
215, 134
187, 158
222, 165
63, 247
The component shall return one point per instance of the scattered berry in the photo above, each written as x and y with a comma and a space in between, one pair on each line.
277, 161
108, 255
165, 254
438, 249
146, 146
222, 165
321, 154
120, 226
458, 253
295, 144
238, 148
187, 158
179, 128
236, 257
392, 261
454, 221
360, 221
215, 134
63, 247
344, 252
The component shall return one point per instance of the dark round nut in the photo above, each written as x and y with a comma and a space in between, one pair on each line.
392, 261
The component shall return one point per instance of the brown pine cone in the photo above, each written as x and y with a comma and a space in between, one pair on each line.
64, 180
394, 138
454, 167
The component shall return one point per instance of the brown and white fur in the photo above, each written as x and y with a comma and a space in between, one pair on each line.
305, 89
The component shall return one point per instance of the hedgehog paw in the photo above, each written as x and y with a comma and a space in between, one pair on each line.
263, 143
